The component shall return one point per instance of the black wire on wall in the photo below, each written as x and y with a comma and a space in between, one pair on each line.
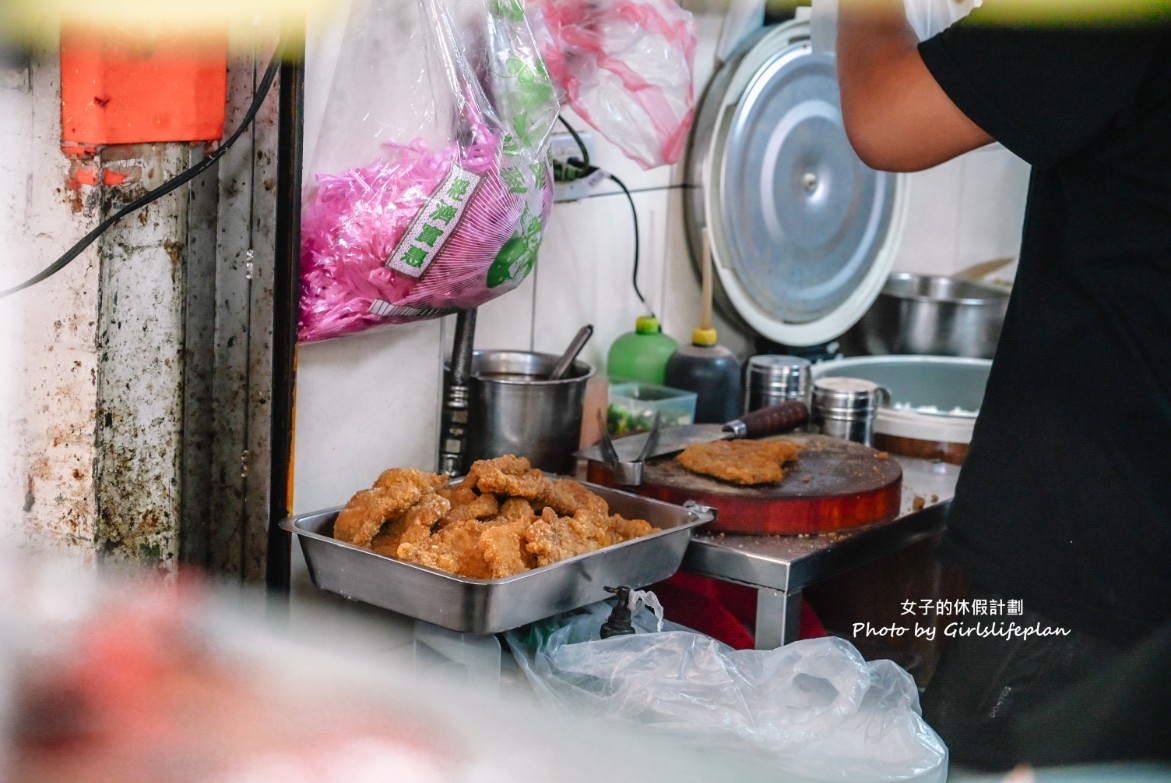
169, 186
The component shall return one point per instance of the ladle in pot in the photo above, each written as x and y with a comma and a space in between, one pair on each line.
566, 360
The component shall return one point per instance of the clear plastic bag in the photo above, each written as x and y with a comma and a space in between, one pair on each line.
429, 186
626, 67
815, 706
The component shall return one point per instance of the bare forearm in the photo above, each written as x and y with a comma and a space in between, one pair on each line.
895, 114
870, 32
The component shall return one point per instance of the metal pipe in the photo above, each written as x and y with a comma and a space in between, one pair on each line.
453, 426
290, 147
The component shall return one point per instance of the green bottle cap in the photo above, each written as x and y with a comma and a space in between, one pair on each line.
647, 324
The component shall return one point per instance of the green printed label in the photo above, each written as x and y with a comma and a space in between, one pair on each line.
515, 260
513, 10
435, 223
514, 178
533, 95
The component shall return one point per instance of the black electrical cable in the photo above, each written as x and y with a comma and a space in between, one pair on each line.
634, 215
585, 153
585, 168
162, 190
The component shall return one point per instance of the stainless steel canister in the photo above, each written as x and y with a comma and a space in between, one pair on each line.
772, 379
845, 407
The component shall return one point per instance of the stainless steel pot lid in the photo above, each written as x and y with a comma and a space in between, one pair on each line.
802, 232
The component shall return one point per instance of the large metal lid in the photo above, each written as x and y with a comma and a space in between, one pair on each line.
802, 232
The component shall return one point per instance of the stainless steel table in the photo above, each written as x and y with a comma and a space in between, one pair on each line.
780, 567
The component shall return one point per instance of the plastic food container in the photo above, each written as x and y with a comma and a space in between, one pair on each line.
633, 407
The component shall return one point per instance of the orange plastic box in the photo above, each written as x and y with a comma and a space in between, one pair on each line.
129, 87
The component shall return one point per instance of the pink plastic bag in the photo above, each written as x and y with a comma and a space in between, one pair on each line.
626, 67
430, 186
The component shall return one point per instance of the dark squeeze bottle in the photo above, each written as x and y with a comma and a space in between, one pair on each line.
712, 372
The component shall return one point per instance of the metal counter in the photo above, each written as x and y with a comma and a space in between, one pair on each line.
780, 567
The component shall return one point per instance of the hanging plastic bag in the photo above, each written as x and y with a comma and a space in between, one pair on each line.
626, 67
814, 706
429, 187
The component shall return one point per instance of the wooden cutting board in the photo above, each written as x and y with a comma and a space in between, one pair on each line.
833, 485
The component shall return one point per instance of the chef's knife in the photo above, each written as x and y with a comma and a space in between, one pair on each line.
773, 420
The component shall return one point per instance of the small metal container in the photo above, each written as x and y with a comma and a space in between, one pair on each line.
772, 379
846, 407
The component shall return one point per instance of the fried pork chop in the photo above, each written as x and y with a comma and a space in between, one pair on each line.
744, 462
504, 518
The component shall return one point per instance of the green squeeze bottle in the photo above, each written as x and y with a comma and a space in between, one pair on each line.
641, 355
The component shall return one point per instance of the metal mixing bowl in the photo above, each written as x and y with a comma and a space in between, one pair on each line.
930, 315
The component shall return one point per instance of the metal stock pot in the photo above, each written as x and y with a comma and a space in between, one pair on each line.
931, 316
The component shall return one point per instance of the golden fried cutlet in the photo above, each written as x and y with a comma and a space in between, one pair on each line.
508, 475
394, 492
481, 507
745, 462
552, 538
411, 481
365, 514
566, 496
503, 548
454, 549
517, 510
412, 526
422, 517
625, 529
503, 519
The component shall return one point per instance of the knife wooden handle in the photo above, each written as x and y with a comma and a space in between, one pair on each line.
775, 419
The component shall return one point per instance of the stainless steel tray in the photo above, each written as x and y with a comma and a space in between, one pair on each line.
486, 606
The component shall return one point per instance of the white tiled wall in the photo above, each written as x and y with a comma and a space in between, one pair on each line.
15, 119
368, 402
47, 333
964, 212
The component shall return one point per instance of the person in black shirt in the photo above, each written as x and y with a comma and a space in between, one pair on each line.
1063, 504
